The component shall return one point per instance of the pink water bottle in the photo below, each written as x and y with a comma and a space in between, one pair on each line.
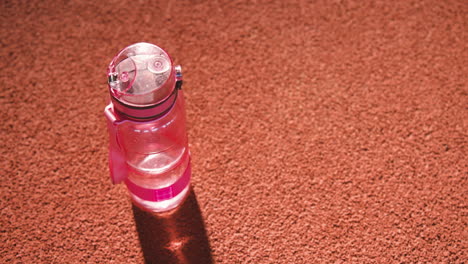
148, 148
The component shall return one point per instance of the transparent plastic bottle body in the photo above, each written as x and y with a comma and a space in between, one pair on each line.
157, 155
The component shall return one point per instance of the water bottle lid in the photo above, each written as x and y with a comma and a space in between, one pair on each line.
141, 75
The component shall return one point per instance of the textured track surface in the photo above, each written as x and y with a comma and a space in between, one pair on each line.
332, 131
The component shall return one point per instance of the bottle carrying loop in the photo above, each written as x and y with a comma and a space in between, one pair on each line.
117, 163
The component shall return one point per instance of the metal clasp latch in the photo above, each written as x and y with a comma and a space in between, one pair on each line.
178, 73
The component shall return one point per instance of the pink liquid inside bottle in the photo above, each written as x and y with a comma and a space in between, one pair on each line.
147, 128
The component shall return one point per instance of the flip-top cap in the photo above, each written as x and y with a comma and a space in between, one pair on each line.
141, 75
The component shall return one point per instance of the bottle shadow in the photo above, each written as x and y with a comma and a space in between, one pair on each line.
177, 236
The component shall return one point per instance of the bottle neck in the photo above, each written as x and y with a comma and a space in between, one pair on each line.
145, 113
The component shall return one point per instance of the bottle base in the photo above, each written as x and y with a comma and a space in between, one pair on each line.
161, 206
